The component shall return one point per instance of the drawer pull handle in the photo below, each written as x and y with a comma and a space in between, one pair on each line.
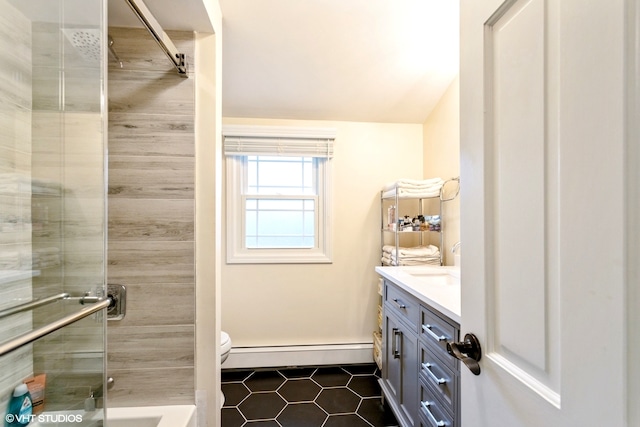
399, 303
432, 419
439, 338
427, 367
396, 348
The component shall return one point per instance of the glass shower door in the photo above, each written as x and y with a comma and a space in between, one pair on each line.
52, 204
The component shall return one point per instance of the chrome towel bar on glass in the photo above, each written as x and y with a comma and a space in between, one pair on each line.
29, 337
39, 302
32, 304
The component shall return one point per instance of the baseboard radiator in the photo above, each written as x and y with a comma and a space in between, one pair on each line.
303, 355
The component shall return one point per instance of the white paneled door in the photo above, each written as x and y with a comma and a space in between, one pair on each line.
543, 224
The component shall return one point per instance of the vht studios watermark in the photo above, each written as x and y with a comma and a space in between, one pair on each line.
43, 418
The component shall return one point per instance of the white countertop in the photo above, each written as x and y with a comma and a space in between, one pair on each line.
438, 287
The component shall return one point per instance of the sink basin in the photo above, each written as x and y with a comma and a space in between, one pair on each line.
434, 275
429, 273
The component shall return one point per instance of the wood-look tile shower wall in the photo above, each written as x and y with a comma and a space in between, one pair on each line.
151, 221
15, 191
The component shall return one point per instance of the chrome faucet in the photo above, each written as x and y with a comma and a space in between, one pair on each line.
455, 248
96, 396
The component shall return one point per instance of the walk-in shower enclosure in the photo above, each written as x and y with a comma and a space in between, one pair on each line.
52, 196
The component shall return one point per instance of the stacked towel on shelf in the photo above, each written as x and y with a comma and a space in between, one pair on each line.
410, 256
414, 188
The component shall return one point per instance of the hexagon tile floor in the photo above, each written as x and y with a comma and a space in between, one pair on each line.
325, 396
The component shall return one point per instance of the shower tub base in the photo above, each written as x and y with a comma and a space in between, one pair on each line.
164, 416
142, 416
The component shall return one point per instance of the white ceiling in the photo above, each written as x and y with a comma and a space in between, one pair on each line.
354, 60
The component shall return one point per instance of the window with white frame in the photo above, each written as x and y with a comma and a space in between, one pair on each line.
278, 194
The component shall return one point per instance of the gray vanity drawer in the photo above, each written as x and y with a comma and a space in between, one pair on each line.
432, 412
438, 332
402, 303
442, 381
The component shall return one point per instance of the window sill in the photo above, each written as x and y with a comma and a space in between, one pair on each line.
277, 257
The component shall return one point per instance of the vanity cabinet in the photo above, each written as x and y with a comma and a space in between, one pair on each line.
420, 380
400, 350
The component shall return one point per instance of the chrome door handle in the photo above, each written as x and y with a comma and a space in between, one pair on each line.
432, 419
439, 381
467, 351
439, 338
398, 303
395, 348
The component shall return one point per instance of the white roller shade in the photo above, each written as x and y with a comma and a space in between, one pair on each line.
278, 141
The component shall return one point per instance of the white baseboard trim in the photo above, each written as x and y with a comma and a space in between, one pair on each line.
303, 355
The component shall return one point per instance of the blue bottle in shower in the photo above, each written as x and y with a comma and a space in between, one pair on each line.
20, 408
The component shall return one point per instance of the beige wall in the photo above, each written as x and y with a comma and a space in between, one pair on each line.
151, 222
264, 305
441, 133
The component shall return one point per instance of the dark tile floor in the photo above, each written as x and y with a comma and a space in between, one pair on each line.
325, 396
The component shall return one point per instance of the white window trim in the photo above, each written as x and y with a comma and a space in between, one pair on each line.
238, 253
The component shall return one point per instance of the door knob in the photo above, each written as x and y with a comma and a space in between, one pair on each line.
468, 351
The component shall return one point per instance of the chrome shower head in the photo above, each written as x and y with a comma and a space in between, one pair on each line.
86, 41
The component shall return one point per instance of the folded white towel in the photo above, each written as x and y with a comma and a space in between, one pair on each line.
414, 183
429, 187
429, 250
392, 262
410, 258
416, 194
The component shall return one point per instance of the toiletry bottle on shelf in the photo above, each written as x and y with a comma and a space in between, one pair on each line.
36, 386
20, 408
391, 218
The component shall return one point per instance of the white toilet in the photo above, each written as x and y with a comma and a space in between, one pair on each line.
225, 348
